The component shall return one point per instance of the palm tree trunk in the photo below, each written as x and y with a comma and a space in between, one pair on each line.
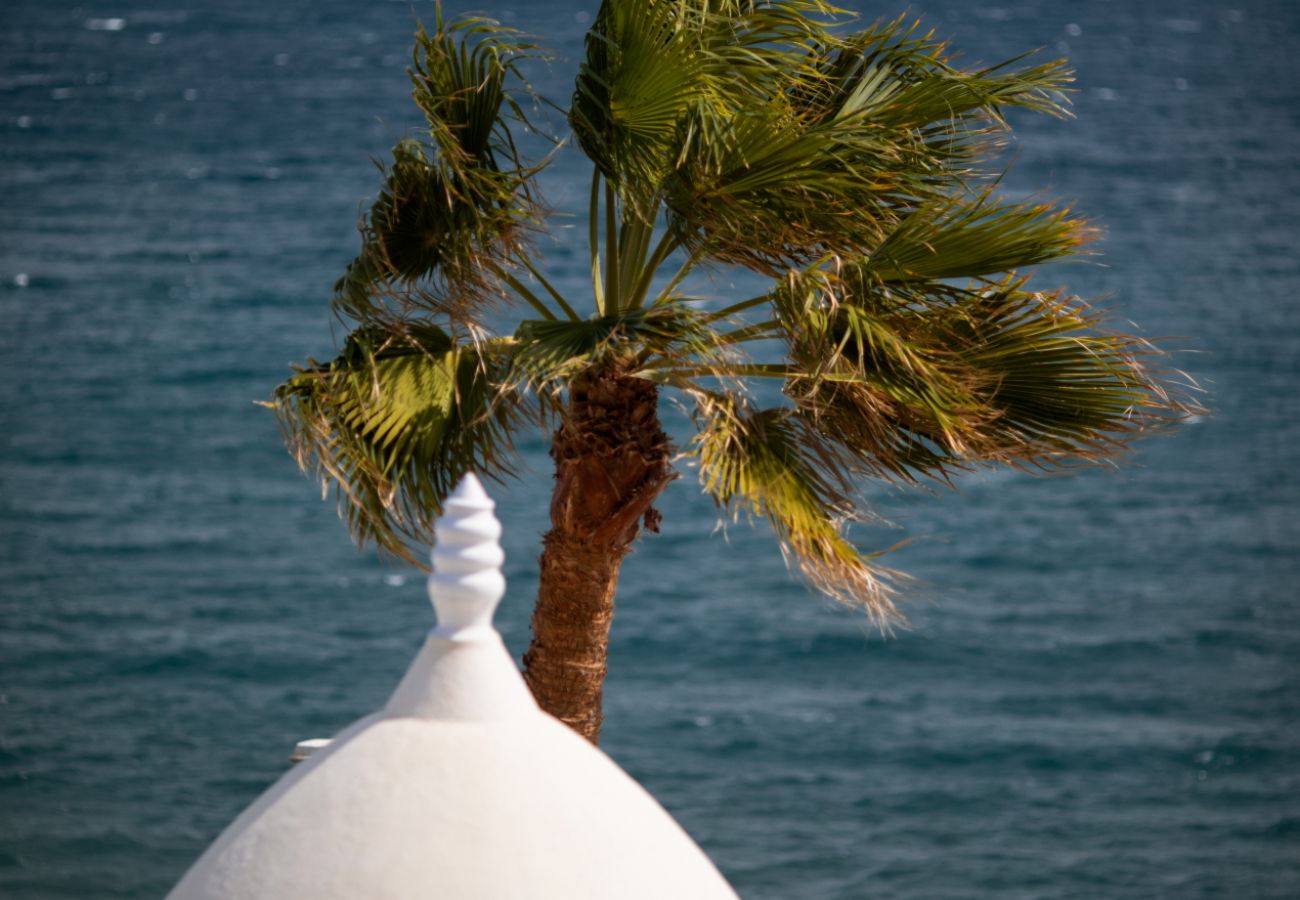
611, 463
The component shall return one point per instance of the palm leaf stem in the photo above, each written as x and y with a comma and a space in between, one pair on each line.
739, 307
667, 295
739, 370
667, 244
748, 370
757, 332
672, 379
633, 241
550, 289
593, 239
524, 293
612, 298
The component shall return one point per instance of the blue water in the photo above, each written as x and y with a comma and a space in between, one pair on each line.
1099, 696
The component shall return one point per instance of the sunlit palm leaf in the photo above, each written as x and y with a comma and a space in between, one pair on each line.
901, 76
653, 68
548, 354
1062, 391
394, 422
862, 132
766, 193
923, 385
642, 73
875, 379
974, 236
767, 463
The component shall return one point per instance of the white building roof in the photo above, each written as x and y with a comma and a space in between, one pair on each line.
460, 787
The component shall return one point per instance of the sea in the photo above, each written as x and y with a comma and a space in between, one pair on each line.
1098, 694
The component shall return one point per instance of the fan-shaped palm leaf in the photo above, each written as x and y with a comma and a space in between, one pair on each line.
974, 236
768, 463
651, 68
1062, 390
395, 421
548, 354
456, 201
919, 385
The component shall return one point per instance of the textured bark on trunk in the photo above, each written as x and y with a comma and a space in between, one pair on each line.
611, 463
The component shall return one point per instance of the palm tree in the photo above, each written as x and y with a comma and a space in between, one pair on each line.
854, 169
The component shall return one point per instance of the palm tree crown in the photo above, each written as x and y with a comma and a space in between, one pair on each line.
854, 169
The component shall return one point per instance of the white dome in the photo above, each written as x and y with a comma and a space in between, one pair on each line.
460, 788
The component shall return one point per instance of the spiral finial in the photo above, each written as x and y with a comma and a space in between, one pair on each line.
466, 583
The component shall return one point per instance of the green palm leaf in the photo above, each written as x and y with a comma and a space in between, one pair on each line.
935, 379
1062, 391
653, 68
548, 354
900, 76
852, 138
642, 73
394, 422
768, 463
766, 193
456, 201
974, 236
876, 380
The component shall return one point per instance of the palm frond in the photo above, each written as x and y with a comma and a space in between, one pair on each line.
874, 380
1061, 389
901, 76
394, 422
548, 354
457, 201
975, 236
860, 134
922, 380
763, 192
653, 66
642, 73
768, 463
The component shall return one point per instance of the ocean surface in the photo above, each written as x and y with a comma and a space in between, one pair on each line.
1100, 692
